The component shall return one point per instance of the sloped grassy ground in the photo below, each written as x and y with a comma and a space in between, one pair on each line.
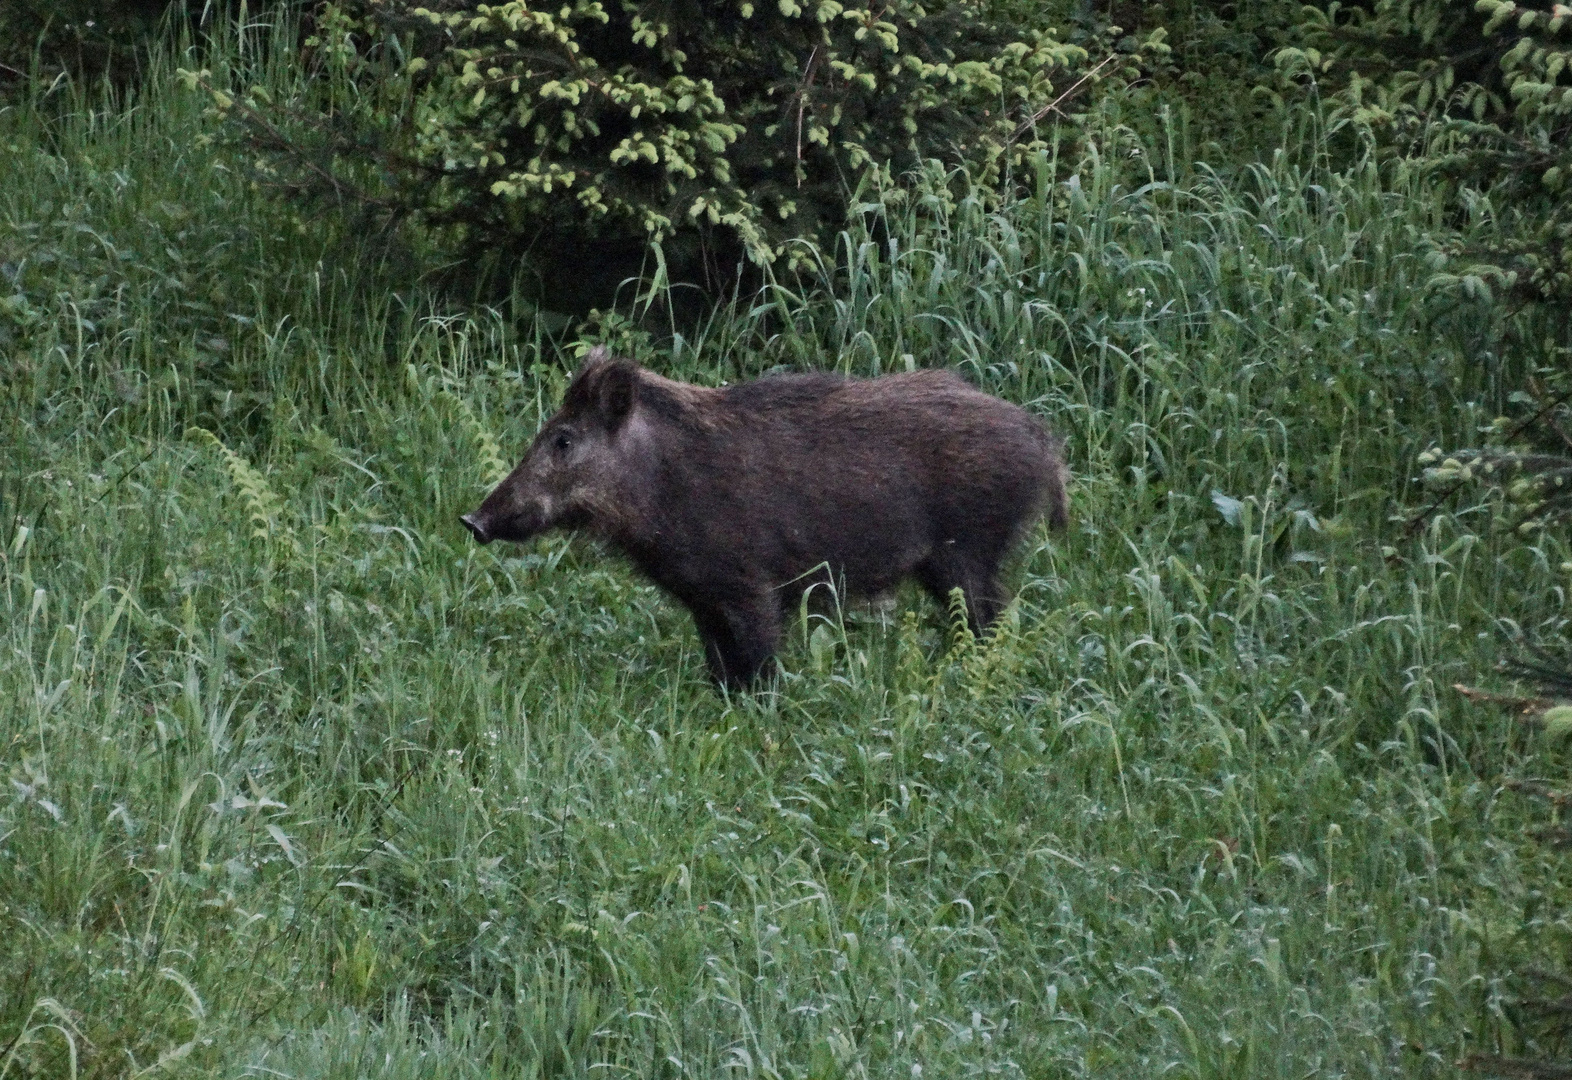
303, 783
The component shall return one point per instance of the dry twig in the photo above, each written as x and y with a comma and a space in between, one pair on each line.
1516, 1068
1525, 706
1053, 106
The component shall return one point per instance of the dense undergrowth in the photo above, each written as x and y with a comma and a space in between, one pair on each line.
303, 783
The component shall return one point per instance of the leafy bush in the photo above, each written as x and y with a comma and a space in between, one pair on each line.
568, 130
1215, 71
1478, 93
1478, 96
1537, 998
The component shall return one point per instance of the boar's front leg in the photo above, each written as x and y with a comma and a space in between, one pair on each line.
740, 635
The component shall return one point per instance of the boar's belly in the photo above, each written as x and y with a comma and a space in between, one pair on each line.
866, 552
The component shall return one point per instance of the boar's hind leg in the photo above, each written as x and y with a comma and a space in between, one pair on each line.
739, 638
978, 579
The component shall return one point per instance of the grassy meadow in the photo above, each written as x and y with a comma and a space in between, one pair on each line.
304, 783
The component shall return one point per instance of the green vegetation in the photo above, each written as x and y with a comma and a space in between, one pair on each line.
1477, 92
593, 129
304, 783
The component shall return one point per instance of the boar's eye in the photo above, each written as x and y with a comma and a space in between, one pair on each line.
562, 443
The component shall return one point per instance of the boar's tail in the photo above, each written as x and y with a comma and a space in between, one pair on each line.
1058, 496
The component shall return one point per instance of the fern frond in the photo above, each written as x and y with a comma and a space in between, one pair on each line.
266, 508
494, 466
962, 640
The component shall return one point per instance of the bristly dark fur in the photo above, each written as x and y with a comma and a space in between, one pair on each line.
738, 500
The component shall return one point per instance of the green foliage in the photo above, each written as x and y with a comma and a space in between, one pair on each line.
488, 452
563, 125
1214, 72
1480, 94
1536, 995
1524, 468
374, 801
264, 509
1478, 97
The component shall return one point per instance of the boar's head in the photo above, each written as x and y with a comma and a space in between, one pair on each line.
572, 473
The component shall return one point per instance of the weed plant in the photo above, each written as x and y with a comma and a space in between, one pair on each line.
303, 783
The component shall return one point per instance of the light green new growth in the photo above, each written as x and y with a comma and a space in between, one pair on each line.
266, 509
493, 467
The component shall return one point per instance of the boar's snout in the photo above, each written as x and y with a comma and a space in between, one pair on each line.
477, 527
503, 518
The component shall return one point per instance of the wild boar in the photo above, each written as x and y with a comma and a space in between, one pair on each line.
736, 500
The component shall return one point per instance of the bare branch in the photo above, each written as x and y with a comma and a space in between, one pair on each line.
1053, 106
1516, 1068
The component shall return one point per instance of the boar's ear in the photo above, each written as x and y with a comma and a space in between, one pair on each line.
617, 389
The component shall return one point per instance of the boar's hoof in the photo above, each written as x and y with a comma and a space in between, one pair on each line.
476, 529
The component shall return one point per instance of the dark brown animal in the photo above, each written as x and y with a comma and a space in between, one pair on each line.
736, 500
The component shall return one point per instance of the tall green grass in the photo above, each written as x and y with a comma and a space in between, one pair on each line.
303, 783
